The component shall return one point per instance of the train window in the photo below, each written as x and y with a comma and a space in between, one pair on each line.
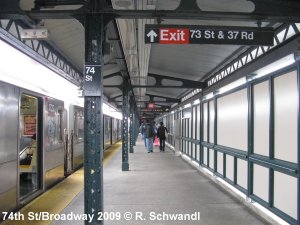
29, 168
78, 124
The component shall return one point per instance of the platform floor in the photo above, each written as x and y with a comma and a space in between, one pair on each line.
162, 183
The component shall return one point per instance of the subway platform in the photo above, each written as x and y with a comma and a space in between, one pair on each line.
159, 189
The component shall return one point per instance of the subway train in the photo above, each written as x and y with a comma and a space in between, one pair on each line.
42, 128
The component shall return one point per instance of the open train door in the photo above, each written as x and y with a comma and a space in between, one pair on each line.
68, 147
30, 154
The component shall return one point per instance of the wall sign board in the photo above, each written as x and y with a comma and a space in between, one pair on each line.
192, 34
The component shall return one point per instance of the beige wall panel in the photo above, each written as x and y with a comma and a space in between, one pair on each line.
285, 193
204, 156
233, 120
211, 158
211, 121
285, 116
261, 182
261, 110
220, 162
198, 122
205, 121
229, 167
242, 173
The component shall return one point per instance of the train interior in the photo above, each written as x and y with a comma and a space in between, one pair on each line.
29, 168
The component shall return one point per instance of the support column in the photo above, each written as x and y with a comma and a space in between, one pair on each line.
125, 110
131, 124
93, 119
134, 126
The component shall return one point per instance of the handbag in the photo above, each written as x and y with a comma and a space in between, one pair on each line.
166, 133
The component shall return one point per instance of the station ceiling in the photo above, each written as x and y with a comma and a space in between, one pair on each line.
146, 62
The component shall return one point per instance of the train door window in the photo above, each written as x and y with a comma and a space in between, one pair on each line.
60, 125
29, 168
78, 124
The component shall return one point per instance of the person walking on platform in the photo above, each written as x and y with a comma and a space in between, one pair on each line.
161, 134
143, 132
149, 133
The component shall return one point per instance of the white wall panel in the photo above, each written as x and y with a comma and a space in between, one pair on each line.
197, 152
198, 122
242, 173
220, 162
261, 182
285, 193
205, 121
232, 120
285, 116
194, 123
204, 155
261, 110
211, 121
211, 158
229, 167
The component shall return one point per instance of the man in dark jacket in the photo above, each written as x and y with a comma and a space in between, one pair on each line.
161, 134
143, 131
149, 134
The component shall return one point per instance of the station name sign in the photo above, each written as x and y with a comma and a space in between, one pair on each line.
193, 34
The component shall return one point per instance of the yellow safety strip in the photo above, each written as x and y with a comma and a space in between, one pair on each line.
55, 200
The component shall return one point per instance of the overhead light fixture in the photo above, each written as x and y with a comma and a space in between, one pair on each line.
280, 64
34, 34
187, 105
208, 96
123, 3
232, 85
196, 102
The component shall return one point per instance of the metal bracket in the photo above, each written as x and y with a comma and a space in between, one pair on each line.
112, 75
190, 5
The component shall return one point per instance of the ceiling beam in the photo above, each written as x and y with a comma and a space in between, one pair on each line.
112, 75
283, 11
167, 99
158, 14
185, 83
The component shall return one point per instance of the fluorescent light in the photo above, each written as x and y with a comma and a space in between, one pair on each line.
280, 64
31, 75
187, 106
196, 102
233, 85
209, 96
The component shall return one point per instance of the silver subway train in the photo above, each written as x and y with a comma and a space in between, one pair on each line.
42, 128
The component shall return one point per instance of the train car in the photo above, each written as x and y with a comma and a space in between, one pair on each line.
42, 125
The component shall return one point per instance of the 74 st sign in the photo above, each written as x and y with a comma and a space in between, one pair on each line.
92, 80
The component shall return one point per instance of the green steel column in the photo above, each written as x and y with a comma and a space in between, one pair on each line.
125, 110
297, 58
250, 139
93, 118
136, 127
131, 124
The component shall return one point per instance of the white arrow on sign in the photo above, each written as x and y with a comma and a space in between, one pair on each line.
152, 35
